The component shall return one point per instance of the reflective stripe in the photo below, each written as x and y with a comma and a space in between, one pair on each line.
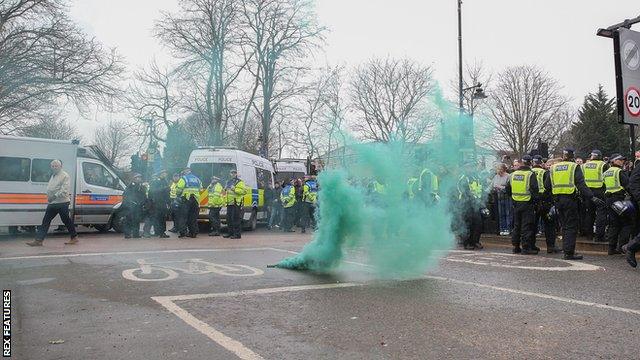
612, 180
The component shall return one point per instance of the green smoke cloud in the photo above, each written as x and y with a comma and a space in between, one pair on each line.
383, 202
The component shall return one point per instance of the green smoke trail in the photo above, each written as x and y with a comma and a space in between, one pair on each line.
368, 204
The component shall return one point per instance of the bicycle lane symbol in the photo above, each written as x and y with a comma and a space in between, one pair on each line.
169, 270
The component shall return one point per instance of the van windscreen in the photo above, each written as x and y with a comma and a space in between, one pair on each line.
204, 171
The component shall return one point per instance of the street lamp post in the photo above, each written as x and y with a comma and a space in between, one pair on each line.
460, 90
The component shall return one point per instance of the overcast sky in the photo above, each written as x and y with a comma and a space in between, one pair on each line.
558, 35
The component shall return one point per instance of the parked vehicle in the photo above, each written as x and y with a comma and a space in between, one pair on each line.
255, 171
287, 169
25, 172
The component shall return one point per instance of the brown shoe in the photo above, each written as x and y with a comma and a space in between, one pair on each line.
73, 241
35, 243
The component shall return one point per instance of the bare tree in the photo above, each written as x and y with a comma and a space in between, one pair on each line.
45, 57
153, 100
527, 106
50, 126
205, 36
280, 33
390, 98
114, 139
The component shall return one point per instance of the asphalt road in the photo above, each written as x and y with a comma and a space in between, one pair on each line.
214, 298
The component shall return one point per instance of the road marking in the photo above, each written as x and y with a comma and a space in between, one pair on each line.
491, 259
221, 339
135, 252
538, 295
34, 281
189, 266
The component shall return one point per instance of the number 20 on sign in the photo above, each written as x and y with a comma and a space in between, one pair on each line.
632, 101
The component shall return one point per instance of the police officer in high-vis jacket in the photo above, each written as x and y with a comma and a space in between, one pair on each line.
216, 200
188, 191
470, 195
543, 206
523, 188
235, 190
565, 180
593, 171
309, 200
619, 226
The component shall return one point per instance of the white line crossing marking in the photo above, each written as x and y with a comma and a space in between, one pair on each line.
221, 339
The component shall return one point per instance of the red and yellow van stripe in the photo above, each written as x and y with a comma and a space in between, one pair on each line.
84, 199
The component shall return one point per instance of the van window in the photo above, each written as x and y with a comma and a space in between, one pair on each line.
14, 168
288, 175
205, 171
264, 178
98, 175
41, 170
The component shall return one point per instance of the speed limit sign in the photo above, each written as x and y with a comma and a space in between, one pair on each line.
632, 101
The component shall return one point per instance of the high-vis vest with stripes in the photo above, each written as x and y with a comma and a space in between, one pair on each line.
521, 185
216, 196
189, 185
612, 180
563, 178
540, 177
593, 174
428, 180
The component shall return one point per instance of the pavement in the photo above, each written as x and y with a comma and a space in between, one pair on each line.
214, 298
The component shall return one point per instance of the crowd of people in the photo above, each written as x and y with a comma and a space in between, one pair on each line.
596, 198
292, 203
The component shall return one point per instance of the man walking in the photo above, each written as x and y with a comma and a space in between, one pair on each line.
58, 200
215, 202
236, 190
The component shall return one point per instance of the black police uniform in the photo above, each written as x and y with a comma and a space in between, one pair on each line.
133, 200
524, 217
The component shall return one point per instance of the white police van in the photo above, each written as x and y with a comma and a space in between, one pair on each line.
287, 169
25, 172
255, 171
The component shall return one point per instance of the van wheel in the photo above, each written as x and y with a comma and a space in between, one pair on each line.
103, 228
117, 222
252, 223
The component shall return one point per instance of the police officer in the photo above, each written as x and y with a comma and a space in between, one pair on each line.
593, 170
309, 200
427, 190
564, 181
188, 190
543, 206
160, 202
522, 186
634, 189
133, 200
174, 203
470, 194
618, 225
216, 199
235, 190
288, 199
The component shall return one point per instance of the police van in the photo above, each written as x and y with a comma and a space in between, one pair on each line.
287, 169
25, 172
255, 171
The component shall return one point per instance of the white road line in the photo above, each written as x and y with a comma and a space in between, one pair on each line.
535, 294
135, 252
221, 339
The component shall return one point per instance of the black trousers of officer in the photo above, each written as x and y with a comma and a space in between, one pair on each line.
214, 220
188, 224
132, 219
234, 220
549, 225
473, 227
307, 215
289, 218
523, 224
567, 206
595, 215
619, 228
159, 219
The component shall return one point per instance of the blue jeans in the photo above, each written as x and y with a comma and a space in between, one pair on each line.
504, 214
